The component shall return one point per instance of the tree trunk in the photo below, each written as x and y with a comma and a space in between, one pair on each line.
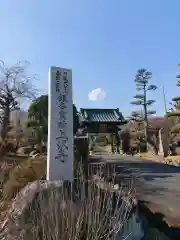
126, 142
145, 121
4, 131
146, 135
5, 123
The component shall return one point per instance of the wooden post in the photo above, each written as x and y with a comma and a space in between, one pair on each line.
81, 159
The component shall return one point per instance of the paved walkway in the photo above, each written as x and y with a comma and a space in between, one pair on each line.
157, 184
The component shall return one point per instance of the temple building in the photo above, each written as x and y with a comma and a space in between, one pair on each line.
101, 120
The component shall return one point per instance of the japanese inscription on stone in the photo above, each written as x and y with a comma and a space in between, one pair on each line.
62, 101
58, 78
60, 125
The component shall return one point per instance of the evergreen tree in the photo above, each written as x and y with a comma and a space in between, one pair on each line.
142, 85
172, 123
76, 123
38, 117
175, 111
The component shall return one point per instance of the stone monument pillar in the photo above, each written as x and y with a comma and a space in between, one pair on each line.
160, 151
60, 125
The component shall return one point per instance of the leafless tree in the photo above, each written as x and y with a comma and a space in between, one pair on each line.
14, 86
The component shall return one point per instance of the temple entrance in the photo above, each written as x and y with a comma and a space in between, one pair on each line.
102, 126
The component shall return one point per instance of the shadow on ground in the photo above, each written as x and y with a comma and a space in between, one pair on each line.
157, 220
157, 184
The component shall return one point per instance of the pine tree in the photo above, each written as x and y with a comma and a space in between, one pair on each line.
172, 123
175, 110
142, 85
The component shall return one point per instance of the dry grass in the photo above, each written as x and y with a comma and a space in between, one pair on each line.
15, 173
7, 163
68, 214
146, 156
151, 157
173, 160
23, 173
91, 218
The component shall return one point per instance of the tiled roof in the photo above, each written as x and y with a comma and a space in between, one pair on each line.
101, 115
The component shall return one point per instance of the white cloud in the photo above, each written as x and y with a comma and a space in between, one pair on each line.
97, 94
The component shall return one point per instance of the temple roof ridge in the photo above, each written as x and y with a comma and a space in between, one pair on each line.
101, 115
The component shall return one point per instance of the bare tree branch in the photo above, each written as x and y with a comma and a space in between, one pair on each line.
15, 84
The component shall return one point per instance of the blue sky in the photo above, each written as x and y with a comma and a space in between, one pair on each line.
103, 41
